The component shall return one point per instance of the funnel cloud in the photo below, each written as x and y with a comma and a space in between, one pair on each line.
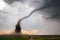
45, 19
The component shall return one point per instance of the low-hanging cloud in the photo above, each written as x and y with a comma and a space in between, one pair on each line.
50, 7
11, 1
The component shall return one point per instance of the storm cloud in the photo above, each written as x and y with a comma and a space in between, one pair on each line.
50, 9
11, 1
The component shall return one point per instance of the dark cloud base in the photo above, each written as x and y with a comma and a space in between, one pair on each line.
48, 4
11, 1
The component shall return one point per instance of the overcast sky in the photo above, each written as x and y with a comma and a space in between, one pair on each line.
10, 13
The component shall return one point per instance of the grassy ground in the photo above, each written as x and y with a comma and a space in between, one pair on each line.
29, 37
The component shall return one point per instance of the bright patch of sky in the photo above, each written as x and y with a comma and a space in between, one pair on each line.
2, 4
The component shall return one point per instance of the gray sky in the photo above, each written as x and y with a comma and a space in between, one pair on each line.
11, 13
